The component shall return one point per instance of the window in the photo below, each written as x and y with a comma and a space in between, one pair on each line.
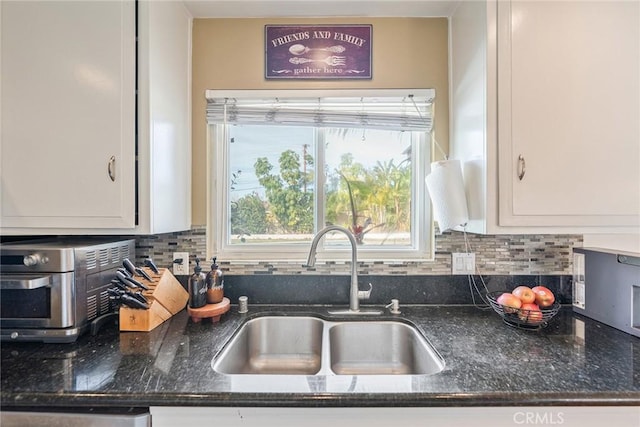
285, 165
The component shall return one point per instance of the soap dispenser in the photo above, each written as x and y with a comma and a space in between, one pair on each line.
215, 284
197, 287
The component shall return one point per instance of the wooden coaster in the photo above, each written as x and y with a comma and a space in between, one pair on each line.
209, 311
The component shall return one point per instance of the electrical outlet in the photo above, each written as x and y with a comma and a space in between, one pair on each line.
463, 263
181, 269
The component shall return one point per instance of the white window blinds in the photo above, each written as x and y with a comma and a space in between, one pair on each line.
380, 109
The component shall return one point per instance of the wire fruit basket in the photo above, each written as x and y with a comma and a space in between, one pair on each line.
521, 318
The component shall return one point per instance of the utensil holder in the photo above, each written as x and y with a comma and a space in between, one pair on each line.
166, 297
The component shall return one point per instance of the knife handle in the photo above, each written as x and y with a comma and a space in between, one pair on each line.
138, 296
119, 284
144, 274
124, 278
124, 271
132, 302
149, 263
129, 266
137, 284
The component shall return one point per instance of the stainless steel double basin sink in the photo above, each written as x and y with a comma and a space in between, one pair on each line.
307, 345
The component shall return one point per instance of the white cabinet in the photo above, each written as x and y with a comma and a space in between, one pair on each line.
164, 117
68, 108
555, 84
568, 416
569, 106
69, 105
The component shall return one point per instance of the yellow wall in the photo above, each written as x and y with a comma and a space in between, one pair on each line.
229, 54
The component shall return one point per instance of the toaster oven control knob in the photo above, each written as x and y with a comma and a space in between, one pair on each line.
14, 335
31, 260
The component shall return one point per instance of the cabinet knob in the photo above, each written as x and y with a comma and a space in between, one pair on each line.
111, 168
521, 167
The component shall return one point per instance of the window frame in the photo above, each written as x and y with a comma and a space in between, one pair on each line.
218, 204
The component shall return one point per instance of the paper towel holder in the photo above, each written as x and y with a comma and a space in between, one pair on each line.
446, 188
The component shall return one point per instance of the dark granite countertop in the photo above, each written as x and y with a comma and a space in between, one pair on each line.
574, 361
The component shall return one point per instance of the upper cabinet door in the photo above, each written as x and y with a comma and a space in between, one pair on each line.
568, 113
68, 114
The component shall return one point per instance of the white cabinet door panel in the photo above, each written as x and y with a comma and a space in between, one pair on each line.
624, 416
68, 106
165, 113
569, 104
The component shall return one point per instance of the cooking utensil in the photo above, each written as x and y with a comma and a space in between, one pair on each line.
133, 270
124, 271
129, 266
123, 284
128, 298
130, 281
122, 276
136, 283
143, 273
133, 302
119, 292
138, 296
117, 283
149, 263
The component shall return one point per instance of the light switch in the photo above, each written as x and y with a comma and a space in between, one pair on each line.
463, 263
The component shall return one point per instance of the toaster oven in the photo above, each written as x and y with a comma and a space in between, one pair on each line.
606, 287
52, 290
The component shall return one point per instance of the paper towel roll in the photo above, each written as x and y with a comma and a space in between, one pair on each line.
446, 189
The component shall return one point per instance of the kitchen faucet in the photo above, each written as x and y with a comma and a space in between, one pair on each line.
355, 294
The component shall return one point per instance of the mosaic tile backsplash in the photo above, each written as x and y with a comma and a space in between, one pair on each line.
548, 254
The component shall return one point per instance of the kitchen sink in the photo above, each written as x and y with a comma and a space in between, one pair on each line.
381, 348
274, 345
307, 345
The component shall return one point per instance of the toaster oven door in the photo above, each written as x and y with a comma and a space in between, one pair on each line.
39, 301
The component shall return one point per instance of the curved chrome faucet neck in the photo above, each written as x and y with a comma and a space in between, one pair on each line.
354, 304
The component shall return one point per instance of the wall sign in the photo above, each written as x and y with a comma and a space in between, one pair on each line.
318, 51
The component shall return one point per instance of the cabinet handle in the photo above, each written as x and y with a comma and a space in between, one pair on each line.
521, 167
111, 168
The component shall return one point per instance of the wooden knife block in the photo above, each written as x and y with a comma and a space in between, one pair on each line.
166, 297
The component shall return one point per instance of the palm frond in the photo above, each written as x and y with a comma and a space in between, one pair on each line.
354, 212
